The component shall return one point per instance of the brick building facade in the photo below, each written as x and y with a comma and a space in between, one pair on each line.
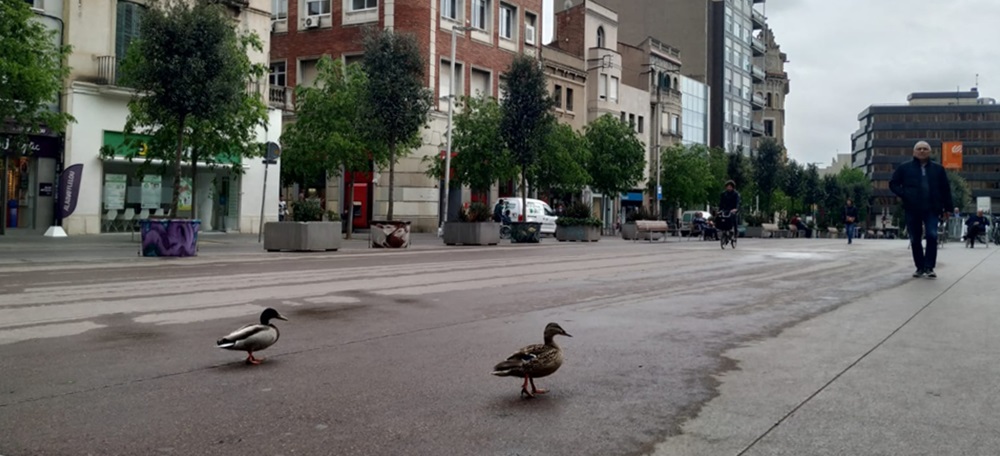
306, 30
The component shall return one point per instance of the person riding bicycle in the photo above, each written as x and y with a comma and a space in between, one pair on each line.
729, 203
976, 226
505, 218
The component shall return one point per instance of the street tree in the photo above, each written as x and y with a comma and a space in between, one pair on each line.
739, 169
32, 71
812, 189
562, 164
617, 156
686, 177
767, 163
190, 71
527, 116
327, 136
856, 186
961, 192
834, 200
718, 165
398, 101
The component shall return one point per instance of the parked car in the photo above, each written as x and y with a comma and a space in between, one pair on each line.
538, 211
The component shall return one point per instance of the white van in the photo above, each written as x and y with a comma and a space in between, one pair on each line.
538, 211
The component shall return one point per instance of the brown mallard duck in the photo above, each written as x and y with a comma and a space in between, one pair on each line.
251, 338
534, 361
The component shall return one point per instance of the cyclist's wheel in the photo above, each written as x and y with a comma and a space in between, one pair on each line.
723, 239
733, 239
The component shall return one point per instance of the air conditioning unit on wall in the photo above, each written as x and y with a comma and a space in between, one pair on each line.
312, 22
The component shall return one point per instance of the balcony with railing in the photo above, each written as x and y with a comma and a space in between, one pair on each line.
757, 128
758, 73
757, 101
758, 46
758, 19
279, 97
107, 70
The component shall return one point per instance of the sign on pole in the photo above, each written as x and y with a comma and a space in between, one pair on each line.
951, 155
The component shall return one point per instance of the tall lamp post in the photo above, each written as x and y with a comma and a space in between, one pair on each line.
451, 109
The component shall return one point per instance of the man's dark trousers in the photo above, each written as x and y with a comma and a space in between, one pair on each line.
919, 225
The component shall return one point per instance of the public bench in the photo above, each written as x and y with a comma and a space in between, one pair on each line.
648, 227
774, 231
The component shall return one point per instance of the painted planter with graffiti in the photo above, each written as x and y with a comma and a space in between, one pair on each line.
390, 234
169, 237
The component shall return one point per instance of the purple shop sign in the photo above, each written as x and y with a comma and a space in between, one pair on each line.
69, 189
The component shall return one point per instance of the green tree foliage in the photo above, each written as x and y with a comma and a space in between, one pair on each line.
739, 170
31, 74
191, 72
718, 165
562, 163
961, 192
482, 157
527, 117
327, 136
687, 176
617, 156
812, 190
833, 202
767, 164
398, 100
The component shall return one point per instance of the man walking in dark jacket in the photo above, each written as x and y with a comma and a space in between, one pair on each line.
923, 186
850, 218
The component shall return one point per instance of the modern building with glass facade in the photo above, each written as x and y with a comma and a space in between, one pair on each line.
694, 112
716, 39
887, 134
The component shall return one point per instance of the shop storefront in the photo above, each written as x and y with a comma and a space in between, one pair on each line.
133, 190
27, 183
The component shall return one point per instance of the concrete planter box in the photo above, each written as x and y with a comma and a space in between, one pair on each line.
471, 233
525, 232
578, 233
390, 234
302, 236
169, 237
630, 232
755, 232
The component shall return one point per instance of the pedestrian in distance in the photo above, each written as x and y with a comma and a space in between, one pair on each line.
850, 218
923, 187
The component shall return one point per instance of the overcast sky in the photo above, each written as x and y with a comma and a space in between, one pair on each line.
845, 55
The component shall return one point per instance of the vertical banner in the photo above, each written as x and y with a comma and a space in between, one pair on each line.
951, 155
115, 186
184, 200
69, 189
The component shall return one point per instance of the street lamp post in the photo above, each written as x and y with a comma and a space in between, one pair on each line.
451, 108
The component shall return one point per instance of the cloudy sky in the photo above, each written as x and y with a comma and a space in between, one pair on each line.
845, 55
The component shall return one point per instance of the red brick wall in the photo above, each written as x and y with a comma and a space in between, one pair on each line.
570, 28
410, 16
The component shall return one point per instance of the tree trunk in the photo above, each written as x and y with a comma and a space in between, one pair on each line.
392, 178
178, 161
350, 207
524, 192
194, 184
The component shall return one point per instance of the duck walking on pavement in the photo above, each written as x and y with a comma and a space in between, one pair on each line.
534, 361
251, 338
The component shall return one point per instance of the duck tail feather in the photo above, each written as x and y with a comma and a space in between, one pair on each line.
223, 343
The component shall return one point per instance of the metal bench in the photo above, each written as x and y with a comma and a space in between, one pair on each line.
648, 227
774, 230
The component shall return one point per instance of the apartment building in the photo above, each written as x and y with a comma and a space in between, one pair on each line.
112, 193
716, 39
306, 30
887, 134
769, 95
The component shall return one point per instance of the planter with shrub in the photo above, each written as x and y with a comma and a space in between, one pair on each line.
474, 227
578, 224
308, 231
630, 231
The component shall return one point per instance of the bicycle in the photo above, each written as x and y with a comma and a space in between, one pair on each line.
995, 230
727, 230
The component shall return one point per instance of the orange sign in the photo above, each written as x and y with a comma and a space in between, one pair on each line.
951, 155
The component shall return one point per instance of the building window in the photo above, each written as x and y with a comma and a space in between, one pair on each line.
613, 90
768, 99
307, 73
277, 76
569, 99
639, 125
126, 27
279, 10
602, 87
317, 7
507, 15
502, 93
481, 83
530, 28
444, 82
359, 5
481, 14
557, 96
449, 9
623, 116
675, 123
769, 128
600, 37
